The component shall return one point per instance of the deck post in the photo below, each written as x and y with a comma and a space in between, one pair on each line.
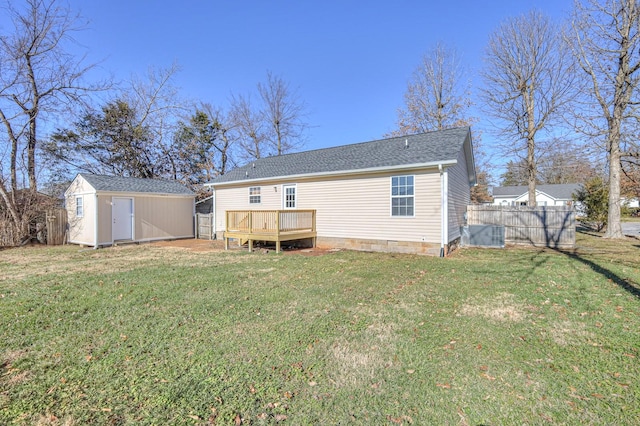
226, 228
250, 244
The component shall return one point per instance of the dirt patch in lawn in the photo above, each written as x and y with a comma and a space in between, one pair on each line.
218, 245
502, 308
192, 244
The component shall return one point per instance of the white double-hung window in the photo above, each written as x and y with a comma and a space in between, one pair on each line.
254, 195
79, 207
402, 195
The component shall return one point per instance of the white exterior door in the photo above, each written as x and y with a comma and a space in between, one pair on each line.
122, 218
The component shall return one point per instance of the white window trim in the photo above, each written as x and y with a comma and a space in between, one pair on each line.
259, 194
391, 197
284, 196
81, 198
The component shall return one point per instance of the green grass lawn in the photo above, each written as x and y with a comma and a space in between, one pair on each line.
155, 335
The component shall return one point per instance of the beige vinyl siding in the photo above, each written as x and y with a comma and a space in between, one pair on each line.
237, 198
155, 217
361, 208
104, 219
459, 196
350, 207
162, 217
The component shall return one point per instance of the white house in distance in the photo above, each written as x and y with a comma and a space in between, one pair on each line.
103, 210
546, 195
403, 194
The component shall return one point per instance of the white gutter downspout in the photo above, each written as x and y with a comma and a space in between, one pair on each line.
443, 210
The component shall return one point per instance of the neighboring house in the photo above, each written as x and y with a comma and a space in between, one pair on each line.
103, 210
403, 194
632, 203
546, 195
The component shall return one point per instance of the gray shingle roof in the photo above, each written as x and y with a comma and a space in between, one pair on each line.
139, 185
559, 191
432, 147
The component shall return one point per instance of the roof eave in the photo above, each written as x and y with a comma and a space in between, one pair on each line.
139, 194
433, 164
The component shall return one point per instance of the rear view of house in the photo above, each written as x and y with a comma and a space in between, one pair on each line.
404, 194
103, 210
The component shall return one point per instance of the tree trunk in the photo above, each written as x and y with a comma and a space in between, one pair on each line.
531, 144
614, 228
31, 151
531, 171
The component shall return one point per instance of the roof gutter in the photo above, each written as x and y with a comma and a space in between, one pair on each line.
338, 173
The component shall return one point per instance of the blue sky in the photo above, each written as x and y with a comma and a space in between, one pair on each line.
349, 60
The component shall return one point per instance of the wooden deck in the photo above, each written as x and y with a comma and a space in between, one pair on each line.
269, 225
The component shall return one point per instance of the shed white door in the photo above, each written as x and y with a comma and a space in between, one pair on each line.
122, 216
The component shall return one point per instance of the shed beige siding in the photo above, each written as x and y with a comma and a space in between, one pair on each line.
351, 207
104, 220
155, 217
163, 218
81, 229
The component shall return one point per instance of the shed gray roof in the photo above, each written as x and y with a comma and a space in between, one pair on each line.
138, 185
563, 191
424, 148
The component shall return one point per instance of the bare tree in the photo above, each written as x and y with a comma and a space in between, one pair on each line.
565, 162
247, 119
605, 39
38, 78
437, 95
274, 125
227, 137
156, 99
528, 82
127, 136
202, 147
285, 113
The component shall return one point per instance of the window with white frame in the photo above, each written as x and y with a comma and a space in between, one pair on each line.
79, 207
254, 195
402, 196
289, 196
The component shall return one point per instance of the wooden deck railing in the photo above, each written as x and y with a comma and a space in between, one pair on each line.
269, 225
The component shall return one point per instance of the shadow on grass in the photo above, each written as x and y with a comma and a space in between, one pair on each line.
626, 284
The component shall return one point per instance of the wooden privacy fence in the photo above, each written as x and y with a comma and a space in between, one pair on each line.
205, 226
56, 226
548, 226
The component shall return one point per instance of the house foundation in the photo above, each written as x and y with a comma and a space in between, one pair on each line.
385, 246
